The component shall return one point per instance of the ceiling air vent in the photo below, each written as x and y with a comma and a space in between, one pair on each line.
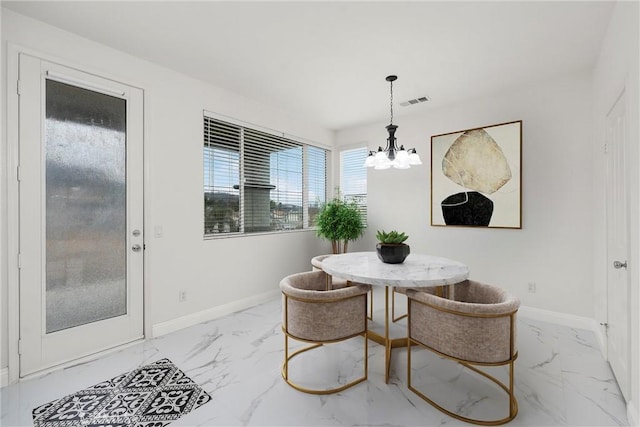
414, 101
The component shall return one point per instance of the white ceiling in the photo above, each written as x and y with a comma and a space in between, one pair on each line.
327, 61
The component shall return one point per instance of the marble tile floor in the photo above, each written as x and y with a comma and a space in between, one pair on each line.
561, 379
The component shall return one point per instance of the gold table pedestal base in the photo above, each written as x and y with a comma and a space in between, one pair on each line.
385, 340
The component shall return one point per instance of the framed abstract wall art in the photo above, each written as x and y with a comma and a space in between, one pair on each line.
476, 177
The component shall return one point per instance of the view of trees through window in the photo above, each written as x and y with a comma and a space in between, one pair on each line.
283, 180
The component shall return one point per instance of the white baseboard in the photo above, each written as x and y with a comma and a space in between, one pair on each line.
211, 313
633, 416
569, 320
563, 319
4, 377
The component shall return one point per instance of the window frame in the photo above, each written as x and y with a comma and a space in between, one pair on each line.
305, 144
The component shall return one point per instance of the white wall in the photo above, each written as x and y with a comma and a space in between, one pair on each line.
554, 246
213, 272
617, 68
562, 232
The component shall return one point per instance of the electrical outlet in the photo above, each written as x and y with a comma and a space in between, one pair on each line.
532, 287
182, 296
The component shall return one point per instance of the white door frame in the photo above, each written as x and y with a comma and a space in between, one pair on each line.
11, 163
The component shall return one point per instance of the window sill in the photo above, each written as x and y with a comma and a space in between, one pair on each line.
220, 236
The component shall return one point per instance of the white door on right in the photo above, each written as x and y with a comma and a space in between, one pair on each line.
618, 293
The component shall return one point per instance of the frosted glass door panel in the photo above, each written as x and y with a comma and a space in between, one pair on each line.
85, 140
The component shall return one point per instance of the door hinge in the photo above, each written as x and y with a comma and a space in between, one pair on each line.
19, 260
19, 346
18, 88
19, 174
606, 148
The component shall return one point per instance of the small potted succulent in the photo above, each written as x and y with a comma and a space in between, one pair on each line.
391, 247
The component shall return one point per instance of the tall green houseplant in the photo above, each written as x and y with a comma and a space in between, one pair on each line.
339, 221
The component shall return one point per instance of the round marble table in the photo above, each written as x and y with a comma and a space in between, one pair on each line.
417, 271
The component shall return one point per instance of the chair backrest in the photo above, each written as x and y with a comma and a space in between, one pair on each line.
477, 325
316, 261
314, 314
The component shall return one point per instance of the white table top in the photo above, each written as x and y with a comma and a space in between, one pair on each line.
416, 271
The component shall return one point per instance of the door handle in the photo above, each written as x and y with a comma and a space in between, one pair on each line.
136, 248
618, 264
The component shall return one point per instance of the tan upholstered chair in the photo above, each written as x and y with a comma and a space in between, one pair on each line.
476, 327
336, 283
402, 290
316, 261
313, 314
316, 264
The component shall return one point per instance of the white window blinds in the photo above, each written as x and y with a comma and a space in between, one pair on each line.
353, 178
257, 181
273, 182
221, 177
316, 178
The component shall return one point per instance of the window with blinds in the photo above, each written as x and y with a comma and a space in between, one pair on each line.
283, 180
353, 178
221, 177
316, 177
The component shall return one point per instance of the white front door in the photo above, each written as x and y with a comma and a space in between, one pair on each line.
618, 294
81, 219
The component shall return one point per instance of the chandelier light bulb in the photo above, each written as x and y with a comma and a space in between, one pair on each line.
381, 161
402, 159
370, 161
414, 158
386, 164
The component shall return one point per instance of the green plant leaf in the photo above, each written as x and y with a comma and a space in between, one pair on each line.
392, 237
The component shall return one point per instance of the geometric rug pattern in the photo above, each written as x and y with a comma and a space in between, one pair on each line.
152, 395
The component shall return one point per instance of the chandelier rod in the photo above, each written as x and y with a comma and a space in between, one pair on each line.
391, 79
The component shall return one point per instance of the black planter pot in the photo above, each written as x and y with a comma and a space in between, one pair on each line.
391, 253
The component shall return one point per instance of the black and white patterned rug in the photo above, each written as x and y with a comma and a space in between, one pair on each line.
153, 395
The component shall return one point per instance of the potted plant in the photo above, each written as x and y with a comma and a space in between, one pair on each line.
391, 248
339, 221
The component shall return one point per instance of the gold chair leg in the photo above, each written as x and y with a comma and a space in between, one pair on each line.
285, 364
393, 308
513, 403
288, 357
